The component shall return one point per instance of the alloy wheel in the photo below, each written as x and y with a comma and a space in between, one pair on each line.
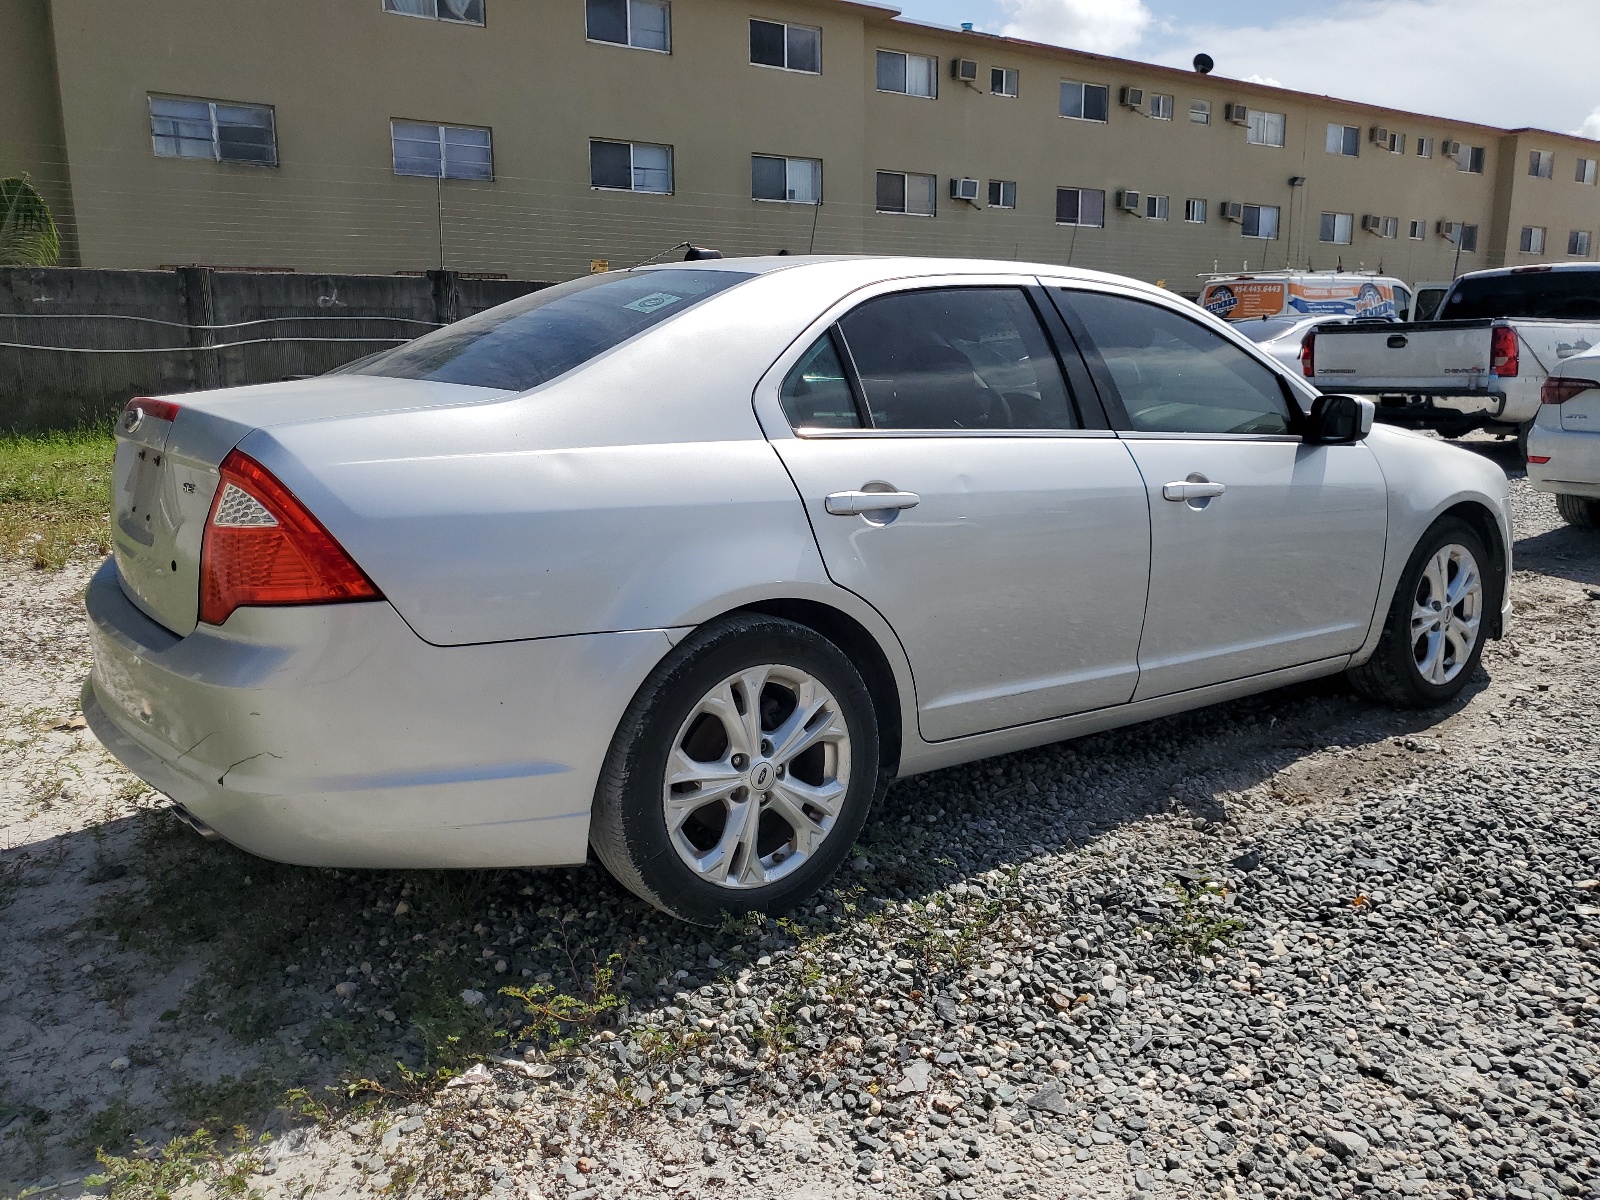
1446, 613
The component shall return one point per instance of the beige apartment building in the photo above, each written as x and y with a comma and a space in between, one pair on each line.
536, 138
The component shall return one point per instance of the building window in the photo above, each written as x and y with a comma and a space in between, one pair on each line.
1344, 139
1470, 160
630, 166
791, 47
1200, 112
441, 151
1085, 101
1397, 143
908, 74
1336, 228
1586, 170
1157, 208
900, 192
1542, 164
1194, 211
1081, 206
1468, 240
1417, 230
1161, 107
1002, 193
1578, 242
1260, 221
1003, 81
793, 180
1265, 128
642, 24
1532, 241
1424, 147
236, 133
465, 12
1390, 227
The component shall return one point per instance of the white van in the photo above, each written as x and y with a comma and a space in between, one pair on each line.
1272, 294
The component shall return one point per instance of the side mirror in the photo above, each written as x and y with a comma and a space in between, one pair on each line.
1339, 420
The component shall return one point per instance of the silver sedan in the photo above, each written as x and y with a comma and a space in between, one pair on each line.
687, 563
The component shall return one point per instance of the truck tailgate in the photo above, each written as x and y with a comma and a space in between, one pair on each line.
1450, 356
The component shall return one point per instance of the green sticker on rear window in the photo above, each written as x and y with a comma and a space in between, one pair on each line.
652, 302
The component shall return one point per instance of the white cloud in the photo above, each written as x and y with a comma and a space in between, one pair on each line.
1103, 26
1469, 59
1591, 125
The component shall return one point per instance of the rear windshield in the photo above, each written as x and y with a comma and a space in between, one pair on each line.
1558, 295
530, 340
1264, 329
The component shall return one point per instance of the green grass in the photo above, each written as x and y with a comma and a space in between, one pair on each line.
55, 496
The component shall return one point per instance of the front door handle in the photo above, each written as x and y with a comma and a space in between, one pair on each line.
1191, 489
853, 504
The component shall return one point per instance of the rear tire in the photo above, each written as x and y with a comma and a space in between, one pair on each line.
1581, 512
741, 773
1433, 636
1523, 429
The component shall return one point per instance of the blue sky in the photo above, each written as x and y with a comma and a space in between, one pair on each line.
1500, 62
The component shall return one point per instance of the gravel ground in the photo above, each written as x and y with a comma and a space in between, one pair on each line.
1291, 946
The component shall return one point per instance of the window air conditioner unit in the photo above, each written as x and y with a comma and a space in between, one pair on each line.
1131, 97
1236, 114
964, 69
964, 189
1449, 229
1232, 211
1128, 201
1450, 149
1379, 135
1371, 223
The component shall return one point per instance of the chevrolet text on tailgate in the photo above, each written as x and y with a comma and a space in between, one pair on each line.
1499, 335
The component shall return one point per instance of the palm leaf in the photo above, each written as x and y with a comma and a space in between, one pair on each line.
28, 234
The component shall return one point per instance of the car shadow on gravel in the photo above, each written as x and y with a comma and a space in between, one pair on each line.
379, 984
1566, 553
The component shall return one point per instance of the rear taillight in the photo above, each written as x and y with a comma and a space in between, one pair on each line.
1504, 353
1559, 391
262, 546
1308, 354
141, 408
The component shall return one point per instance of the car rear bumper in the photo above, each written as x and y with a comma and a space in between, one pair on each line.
1574, 466
331, 735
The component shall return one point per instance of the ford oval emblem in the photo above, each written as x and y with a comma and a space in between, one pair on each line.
132, 419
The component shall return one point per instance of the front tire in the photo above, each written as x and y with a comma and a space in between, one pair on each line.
741, 774
1581, 512
1433, 636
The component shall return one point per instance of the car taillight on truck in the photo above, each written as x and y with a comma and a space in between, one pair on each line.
1505, 358
262, 547
1559, 391
1308, 354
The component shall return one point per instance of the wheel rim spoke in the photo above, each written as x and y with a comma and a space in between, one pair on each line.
808, 834
1446, 614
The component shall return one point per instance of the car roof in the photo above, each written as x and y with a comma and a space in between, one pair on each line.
1534, 269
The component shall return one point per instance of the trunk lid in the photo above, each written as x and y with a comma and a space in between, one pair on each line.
1401, 358
166, 471
1581, 414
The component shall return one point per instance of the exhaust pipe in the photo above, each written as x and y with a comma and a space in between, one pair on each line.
195, 823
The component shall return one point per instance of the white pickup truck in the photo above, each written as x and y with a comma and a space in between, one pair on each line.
1480, 363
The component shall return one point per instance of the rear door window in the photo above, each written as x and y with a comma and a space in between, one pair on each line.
1174, 375
957, 358
531, 340
816, 393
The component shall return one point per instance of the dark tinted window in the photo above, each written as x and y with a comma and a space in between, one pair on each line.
1558, 295
957, 358
608, 20
610, 165
816, 394
766, 43
1176, 376
533, 339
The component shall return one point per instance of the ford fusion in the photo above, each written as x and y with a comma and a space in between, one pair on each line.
686, 563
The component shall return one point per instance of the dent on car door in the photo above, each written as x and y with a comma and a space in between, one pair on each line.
951, 483
1265, 552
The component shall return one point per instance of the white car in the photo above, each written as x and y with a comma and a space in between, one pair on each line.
685, 563
1564, 443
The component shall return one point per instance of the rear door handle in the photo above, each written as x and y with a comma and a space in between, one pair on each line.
1189, 490
853, 504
